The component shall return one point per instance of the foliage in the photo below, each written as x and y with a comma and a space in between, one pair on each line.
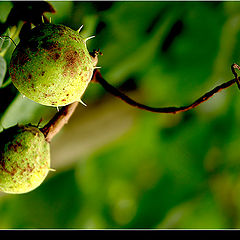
119, 167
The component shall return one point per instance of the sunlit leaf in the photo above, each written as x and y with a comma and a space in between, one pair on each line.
3, 69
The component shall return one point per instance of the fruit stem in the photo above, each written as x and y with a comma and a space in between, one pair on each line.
97, 77
58, 121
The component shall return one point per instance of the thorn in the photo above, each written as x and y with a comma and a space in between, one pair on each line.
97, 67
86, 39
57, 109
50, 19
82, 103
23, 96
79, 30
51, 169
43, 19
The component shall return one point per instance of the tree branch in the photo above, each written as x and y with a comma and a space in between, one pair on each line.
62, 117
97, 77
58, 121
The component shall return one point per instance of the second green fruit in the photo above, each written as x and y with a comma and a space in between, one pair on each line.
24, 159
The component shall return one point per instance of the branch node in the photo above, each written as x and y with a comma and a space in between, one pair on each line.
233, 67
58, 121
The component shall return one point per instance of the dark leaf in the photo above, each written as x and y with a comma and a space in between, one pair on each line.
30, 12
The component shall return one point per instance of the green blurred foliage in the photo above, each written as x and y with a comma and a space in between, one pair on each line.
167, 171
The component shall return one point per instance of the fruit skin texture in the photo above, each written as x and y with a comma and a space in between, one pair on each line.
24, 159
51, 65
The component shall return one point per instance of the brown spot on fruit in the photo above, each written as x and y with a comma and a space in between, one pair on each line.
73, 60
56, 56
21, 59
48, 45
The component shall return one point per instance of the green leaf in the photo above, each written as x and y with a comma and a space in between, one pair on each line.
6, 83
24, 111
1, 42
3, 69
5, 41
5, 8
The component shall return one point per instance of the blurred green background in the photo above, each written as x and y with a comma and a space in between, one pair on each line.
118, 167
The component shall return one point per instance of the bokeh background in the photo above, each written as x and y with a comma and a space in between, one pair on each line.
118, 167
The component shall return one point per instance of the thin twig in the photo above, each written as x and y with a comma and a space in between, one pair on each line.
62, 117
58, 121
97, 77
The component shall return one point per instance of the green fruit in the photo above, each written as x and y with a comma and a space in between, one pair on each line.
51, 65
24, 159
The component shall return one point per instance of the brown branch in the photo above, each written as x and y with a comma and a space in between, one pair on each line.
62, 117
97, 77
58, 121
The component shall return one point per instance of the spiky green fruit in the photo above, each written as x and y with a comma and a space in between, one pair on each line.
51, 65
24, 159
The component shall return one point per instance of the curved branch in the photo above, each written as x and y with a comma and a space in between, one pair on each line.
97, 77
58, 121
62, 117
